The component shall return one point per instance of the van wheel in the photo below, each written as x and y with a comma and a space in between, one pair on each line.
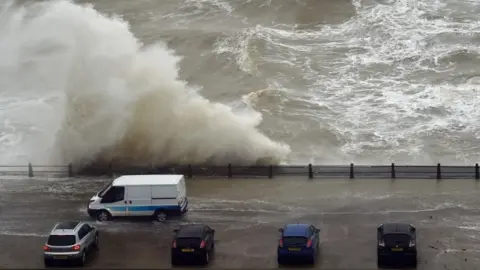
47, 263
160, 216
103, 215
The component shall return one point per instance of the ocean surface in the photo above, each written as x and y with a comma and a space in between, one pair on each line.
240, 81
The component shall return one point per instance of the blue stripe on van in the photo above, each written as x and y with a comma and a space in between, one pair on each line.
141, 208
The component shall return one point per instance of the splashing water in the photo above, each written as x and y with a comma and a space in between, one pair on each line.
77, 86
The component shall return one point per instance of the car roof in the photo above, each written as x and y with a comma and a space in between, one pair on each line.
66, 228
396, 228
295, 230
194, 230
67, 225
147, 180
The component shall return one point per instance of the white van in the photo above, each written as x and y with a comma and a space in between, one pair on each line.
158, 196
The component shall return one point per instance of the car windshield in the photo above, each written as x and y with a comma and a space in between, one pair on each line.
61, 240
104, 190
294, 241
396, 239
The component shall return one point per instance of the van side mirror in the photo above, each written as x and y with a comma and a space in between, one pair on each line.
280, 230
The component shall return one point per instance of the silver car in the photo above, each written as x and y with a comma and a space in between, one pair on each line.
70, 241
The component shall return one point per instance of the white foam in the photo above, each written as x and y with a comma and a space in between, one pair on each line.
10, 233
78, 86
390, 77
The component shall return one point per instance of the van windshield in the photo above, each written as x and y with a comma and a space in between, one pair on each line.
104, 190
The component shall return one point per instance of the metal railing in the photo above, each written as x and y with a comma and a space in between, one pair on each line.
37, 170
351, 171
311, 171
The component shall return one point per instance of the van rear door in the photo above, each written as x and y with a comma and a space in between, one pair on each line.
182, 195
164, 197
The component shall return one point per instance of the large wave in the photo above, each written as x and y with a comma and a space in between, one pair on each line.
77, 86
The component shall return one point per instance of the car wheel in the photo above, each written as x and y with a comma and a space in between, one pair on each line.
160, 216
95, 242
174, 261
414, 262
379, 262
103, 215
83, 259
47, 262
206, 258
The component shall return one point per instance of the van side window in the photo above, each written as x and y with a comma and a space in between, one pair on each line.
114, 194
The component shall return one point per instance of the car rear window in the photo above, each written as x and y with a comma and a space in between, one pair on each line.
182, 242
396, 239
61, 240
294, 241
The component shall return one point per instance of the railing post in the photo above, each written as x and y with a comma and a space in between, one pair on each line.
310, 171
189, 171
352, 173
270, 171
229, 170
439, 172
30, 170
393, 171
477, 172
70, 170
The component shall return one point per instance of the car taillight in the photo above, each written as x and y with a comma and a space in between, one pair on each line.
76, 247
280, 243
202, 244
46, 248
309, 243
174, 244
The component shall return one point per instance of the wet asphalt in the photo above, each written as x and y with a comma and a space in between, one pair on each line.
246, 214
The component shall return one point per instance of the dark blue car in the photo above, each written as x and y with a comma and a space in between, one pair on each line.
298, 243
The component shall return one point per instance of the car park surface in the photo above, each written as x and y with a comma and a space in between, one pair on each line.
246, 215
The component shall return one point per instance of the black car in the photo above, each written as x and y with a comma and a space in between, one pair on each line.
396, 243
193, 243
